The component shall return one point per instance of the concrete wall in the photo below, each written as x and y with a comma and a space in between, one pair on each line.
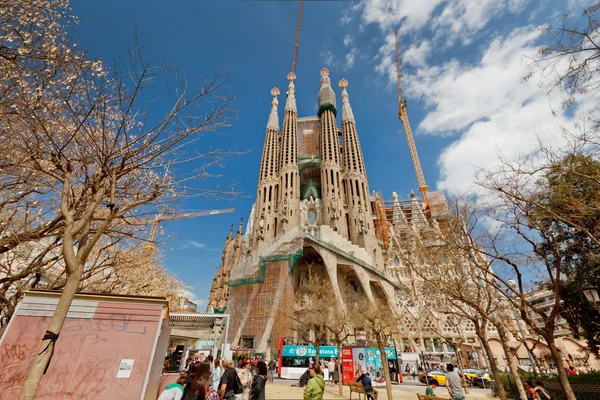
96, 336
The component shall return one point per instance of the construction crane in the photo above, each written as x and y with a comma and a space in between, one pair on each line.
297, 42
161, 217
402, 104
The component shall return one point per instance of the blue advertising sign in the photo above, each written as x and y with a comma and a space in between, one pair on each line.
309, 351
390, 353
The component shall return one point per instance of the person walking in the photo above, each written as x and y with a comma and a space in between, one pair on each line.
331, 366
316, 384
229, 381
257, 390
191, 374
216, 373
201, 386
454, 384
271, 370
245, 376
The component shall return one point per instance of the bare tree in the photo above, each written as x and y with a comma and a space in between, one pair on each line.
570, 58
450, 270
84, 153
315, 317
381, 323
521, 245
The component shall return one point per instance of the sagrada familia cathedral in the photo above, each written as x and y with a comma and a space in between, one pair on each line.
314, 213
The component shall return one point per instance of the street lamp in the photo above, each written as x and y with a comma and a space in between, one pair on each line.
591, 294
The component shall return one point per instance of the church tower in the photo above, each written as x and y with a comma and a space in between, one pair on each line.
355, 185
289, 181
331, 193
354, 182
268, 180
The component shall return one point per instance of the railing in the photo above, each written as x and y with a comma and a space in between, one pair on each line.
582, 391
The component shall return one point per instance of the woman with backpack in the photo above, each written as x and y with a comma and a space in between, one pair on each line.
257, 391
201, 386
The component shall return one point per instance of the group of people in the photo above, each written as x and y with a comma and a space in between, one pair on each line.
313, 382
219, 380
453, 384
537, 392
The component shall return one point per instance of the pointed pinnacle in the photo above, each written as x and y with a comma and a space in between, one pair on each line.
273, 118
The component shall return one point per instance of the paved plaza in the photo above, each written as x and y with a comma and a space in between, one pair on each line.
283, 389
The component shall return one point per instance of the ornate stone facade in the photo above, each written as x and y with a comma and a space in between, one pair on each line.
314, 214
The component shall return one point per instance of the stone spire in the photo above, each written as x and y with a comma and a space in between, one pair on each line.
331, 169
418, 219
353, 159
347, 114
289, 179
290, 101
326, 95
269, 164
268, 179
273, 118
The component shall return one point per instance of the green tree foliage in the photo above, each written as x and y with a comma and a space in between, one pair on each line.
569, 205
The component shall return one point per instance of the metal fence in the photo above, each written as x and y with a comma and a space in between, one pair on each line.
582, 391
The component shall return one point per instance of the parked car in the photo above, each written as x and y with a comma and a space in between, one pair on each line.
438, 375
478, 379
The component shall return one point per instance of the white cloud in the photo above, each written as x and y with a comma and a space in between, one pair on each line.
460, 18
450, 20
491, 106
328, 58
387, 61
346, 17
191, 296
390, 13
348, 40
350, 58
417, 55
463, 94
193, 244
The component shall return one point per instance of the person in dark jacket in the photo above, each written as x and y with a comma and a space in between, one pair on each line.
257, 391
304, 378
370, 393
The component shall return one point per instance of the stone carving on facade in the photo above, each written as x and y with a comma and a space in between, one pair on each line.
311, 210
334, 207
361, 221
261, 227
284, 211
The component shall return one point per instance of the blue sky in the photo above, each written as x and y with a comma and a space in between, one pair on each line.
463, 63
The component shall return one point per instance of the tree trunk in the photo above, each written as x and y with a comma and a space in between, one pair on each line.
493, 366
56, 323
317, 359
386, 368
562, 374
511, 362
462, 367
